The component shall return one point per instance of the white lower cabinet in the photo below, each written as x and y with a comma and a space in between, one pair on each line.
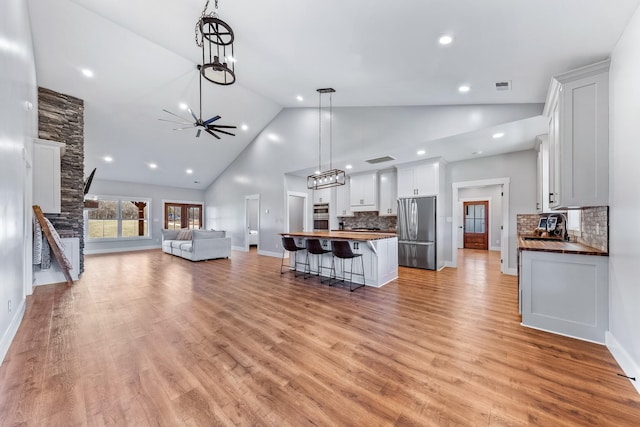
566, 294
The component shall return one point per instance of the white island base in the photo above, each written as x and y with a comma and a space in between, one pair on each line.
379, 255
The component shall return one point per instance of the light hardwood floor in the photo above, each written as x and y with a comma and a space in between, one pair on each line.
146, 338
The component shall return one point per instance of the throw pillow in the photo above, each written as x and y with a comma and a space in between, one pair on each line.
184, 234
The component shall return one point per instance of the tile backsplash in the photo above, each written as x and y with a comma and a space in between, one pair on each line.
594, 226
369, 220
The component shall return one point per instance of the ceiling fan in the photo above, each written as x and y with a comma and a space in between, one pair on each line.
207, 125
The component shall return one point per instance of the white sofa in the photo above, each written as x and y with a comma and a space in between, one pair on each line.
203, 245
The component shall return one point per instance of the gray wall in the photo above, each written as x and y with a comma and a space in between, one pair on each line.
18, 126
157, 194
289, 143
624, 175
520, 167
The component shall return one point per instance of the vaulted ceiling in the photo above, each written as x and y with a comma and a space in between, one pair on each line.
143, 55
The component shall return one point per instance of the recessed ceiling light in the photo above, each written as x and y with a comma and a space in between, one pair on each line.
108, 159
498, 135
445, 39
421, 152
244, 127
183, 106
464, 88
348, 166
475, 153
299, 98
87, 72
317, 172
189, 171
153, 165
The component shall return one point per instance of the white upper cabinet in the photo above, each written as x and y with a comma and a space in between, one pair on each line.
578, 111
388, 193
343, 200
46, 174
418, 180
322, 196
364, 192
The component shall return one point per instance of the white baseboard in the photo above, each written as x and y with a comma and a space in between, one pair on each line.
10, 334
239, 248
559, 333
269, 253
511, 271
626, 362
495, 248
449, 264
114, 250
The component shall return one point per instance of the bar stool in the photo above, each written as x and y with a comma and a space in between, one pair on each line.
315, 248
341, 249
288, 244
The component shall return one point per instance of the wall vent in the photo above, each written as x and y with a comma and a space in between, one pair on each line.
505, 85
380, 160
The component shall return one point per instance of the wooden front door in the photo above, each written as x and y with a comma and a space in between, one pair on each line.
476, 225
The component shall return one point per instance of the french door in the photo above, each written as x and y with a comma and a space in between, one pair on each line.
182, 215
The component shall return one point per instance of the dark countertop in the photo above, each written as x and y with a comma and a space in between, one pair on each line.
361, 236
558, 246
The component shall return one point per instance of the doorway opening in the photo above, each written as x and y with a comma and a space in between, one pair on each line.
252, 222
498, 234
476, 225
296, 211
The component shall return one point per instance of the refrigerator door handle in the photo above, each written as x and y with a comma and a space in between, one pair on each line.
411, 242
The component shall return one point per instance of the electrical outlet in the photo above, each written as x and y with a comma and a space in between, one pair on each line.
9, 306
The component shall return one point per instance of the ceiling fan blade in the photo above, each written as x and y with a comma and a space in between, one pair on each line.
192, 115
188, 127
174, 121
212, 119
198, 133
181, 118
223, 126
211, 133
223, 131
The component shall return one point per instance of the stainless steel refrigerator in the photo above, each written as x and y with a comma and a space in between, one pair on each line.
417, 232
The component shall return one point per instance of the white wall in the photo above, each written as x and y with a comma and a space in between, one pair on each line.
289, 143
492, 194
18, 127
624, 201
520, 167
157, 194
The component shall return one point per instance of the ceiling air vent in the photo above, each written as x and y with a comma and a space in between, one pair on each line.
506, 85
380, 160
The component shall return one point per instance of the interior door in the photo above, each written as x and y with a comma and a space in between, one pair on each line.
476, 221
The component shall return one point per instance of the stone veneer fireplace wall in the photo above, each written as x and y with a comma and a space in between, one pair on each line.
61, 119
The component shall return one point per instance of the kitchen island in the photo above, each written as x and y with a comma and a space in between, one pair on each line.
379, 254
564, 288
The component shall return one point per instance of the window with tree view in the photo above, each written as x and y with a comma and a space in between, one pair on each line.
119, 219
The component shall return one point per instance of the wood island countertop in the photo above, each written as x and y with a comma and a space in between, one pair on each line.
559, 246
360, 236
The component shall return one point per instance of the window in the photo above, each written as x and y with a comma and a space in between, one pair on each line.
574, 218
118, 218
182, 215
